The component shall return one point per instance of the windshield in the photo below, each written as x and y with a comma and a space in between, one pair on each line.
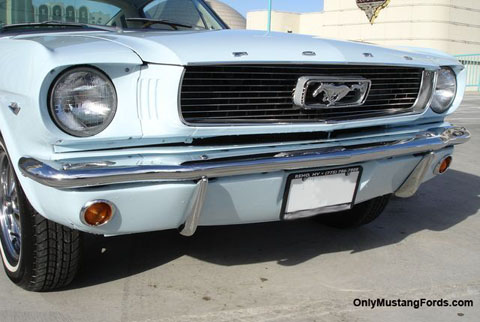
125, 14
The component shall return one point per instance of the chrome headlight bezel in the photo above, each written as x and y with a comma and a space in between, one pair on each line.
94, 130
443, 85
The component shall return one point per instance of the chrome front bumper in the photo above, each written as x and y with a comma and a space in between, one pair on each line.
101, 173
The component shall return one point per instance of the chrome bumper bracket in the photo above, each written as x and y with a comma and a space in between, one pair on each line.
415, 179
195, 208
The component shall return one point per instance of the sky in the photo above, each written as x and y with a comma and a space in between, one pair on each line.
243, 6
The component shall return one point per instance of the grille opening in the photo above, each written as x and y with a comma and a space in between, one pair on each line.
282, 137
272, 155
264, 93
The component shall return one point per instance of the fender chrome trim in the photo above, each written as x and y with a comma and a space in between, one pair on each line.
52, 174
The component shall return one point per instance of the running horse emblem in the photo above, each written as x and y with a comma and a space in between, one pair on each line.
334, 93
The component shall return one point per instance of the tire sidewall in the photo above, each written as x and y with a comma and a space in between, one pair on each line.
18, 272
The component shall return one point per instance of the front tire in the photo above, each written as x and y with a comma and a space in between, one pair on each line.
361, 214
38, 254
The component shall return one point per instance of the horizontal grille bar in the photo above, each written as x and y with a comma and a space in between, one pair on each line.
264, 93
279, 103
265, 112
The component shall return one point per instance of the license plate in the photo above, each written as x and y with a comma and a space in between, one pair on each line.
315, 192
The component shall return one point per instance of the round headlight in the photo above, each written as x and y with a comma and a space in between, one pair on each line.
445, 91
83, 102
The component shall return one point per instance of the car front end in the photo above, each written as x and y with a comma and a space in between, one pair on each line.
231, 124
129, 131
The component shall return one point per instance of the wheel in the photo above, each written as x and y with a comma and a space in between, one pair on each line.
359, 215
38, 254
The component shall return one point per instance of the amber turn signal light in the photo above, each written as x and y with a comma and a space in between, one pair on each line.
444, 165
97, 213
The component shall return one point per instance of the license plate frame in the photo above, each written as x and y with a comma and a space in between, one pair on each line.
309, 174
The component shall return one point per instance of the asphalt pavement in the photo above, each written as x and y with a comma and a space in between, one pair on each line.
425, 247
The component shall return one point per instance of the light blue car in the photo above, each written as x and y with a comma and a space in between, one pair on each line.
129, 116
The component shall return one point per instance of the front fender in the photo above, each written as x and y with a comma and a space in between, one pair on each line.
30, 63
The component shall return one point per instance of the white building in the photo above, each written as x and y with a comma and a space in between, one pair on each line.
451, 26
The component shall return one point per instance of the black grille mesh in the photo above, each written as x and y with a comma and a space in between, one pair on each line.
263, 93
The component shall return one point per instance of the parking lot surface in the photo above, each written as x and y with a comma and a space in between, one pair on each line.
426, 247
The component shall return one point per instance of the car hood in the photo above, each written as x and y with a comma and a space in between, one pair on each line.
184, 48
231, 46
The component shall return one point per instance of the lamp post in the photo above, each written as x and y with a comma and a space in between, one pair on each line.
269, 23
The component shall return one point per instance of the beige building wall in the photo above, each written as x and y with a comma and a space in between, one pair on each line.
451, 26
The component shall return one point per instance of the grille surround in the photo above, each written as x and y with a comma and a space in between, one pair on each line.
239, 101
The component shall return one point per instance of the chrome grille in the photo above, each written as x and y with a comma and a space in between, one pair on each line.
263, 93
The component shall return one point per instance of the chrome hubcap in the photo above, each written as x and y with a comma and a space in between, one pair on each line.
9, 212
